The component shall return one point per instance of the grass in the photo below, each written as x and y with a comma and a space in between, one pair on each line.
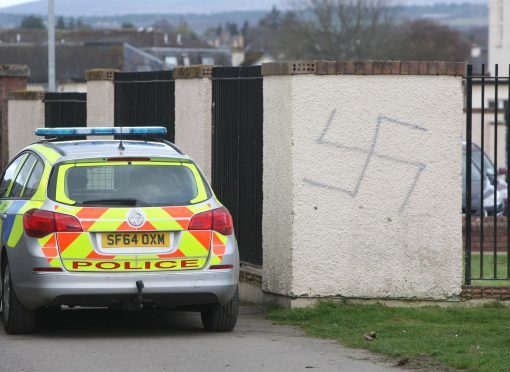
488, 269
476, 339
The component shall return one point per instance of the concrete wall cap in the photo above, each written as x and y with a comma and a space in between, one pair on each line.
25, 95
14, 70
193, 72
100, 74
364, 68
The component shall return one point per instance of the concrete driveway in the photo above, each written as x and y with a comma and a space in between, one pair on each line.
100, 340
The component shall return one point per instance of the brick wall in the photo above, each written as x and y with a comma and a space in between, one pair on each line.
487, 293
488, 233
12, 78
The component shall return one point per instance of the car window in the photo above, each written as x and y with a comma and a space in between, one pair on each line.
141, 184
34, 180
476, 175
9, 175
22, 177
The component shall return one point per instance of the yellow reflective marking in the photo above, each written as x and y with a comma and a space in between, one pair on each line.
190, 246
42, 241
16, 172
222, 237
80, 247
55, 262
30, 205
51, 155
28, 178
133, 265
40, 193
202, 193
61, 194
16, 232
200, 208
63, 197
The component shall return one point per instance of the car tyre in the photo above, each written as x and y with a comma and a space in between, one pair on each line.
218, 318
16, 318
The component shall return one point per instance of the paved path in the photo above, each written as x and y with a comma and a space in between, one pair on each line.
99, 340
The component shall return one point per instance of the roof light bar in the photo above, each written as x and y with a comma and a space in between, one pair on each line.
100, 131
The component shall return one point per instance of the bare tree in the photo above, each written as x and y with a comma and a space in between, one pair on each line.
337, 29
429, 41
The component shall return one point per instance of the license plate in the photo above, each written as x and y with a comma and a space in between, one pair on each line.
135, 240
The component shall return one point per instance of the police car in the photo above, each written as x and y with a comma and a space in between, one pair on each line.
122, 223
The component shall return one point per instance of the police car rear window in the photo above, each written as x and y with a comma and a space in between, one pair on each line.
129, 184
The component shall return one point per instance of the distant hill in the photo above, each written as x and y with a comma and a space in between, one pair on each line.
203, 14
83, 8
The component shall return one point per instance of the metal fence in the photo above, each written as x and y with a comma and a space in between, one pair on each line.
486, 180
65, 110
145, 98
237, 153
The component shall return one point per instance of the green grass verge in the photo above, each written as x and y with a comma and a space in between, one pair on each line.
475, 339
488, 269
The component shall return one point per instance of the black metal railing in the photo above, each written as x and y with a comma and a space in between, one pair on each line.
486, 186
145, 98
65, 110
237, 153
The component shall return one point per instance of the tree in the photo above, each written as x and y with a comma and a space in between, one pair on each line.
245, 28
127, 25
232, 28
61, 23
272, 19
337, 29
32, 22
428, 41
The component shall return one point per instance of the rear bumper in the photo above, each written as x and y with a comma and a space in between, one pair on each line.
97, 289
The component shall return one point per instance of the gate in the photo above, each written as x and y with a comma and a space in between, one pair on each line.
65, 110
486, 180
145, 99
237, 153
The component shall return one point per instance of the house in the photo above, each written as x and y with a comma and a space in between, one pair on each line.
123, 50
72, 60
256, 59
499, 34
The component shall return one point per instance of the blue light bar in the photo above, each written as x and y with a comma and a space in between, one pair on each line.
100, 131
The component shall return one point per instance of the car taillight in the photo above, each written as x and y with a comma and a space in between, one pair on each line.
39, 223
222, 221
219, 220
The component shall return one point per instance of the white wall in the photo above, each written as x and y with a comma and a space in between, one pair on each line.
100, 103
193, 120
499, 35
362, 186
25, 116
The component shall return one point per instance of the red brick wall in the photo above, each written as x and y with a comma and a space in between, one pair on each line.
488, 234
12, 78
488, 293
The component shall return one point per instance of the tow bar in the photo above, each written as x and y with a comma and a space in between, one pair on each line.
138, 302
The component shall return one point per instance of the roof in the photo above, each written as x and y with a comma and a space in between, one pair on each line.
96, 149
72, 60
138, 38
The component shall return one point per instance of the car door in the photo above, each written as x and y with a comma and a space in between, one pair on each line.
5, 187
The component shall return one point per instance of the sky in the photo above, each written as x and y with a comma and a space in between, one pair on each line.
6, 3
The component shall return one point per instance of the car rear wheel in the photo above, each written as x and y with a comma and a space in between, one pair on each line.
217, 318
17, 319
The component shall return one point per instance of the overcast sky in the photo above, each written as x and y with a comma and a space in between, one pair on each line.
6, 3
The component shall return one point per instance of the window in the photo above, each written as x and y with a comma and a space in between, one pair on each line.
207, 60
9, 175
171, 61
22, 177
137, 184
34, 180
